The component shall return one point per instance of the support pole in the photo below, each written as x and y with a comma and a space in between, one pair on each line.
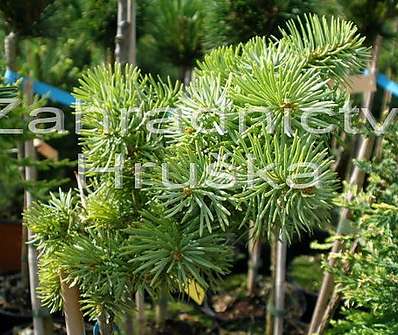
125, 51
269, 317
41, 318
132, 12
254, 249
357, 178
280, 283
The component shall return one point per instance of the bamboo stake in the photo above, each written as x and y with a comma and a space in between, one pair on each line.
42, 324
132, 32
280, 277
357, 178
254, 248
271, 299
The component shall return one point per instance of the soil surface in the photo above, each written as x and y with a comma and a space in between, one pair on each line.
230, 311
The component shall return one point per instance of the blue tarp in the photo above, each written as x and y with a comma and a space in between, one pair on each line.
53, 93
65, 98
387, 84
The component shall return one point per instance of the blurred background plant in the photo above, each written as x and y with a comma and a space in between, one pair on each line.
367, 279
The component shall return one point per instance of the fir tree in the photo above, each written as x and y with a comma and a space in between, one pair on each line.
195, 179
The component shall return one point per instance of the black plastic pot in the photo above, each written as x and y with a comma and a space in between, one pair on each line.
10, 319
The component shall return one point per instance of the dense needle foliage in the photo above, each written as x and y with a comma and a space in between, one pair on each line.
160, 204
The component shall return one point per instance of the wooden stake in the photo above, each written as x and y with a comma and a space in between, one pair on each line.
357, 178
254, 248
42, 324
271, 299
280, 278
132, 32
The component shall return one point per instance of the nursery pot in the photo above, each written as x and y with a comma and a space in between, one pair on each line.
10, 319
10, 247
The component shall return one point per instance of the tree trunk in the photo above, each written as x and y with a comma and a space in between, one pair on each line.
106, 327
125, 41
254, 261
10, 51
280, 278
73, 316
161, 308
128, 323
125, 53
357, 178
140, 318
186, 74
